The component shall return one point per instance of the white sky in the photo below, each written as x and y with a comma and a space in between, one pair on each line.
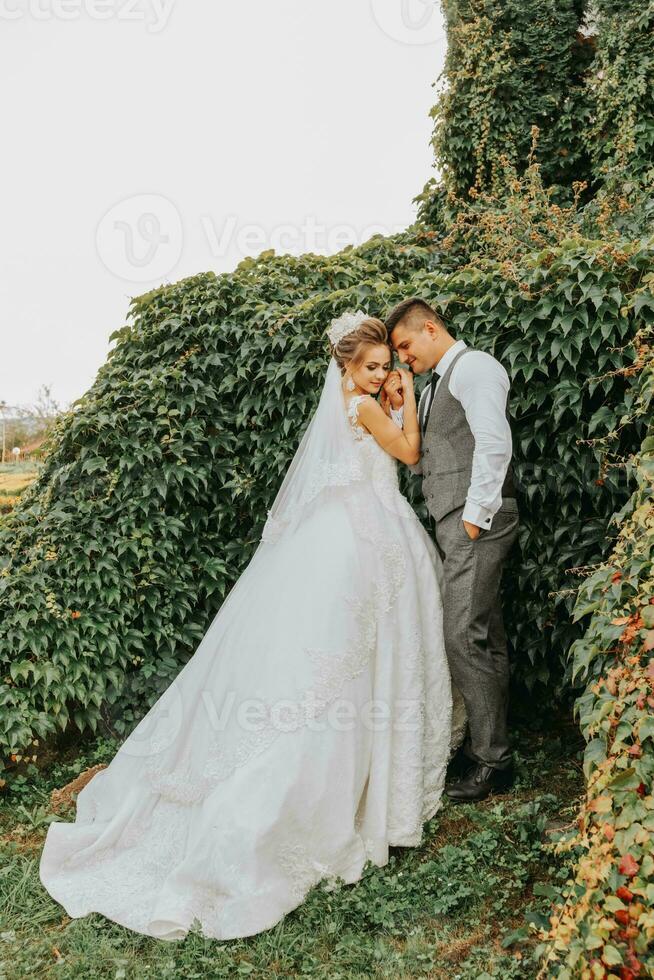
148, 140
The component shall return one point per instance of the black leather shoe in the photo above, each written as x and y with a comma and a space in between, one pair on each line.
479, 782
458, 766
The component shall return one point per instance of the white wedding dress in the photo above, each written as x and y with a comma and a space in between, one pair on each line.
309, 731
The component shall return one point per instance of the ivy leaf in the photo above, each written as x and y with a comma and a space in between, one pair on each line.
611, 955
94, 464
627, 779
646, 728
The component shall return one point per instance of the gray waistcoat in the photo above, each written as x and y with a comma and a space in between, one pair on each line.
447, 446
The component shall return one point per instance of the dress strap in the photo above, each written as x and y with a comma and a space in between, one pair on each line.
353, 408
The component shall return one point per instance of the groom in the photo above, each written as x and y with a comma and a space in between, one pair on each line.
467, 482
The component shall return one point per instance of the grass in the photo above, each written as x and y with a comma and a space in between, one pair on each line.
14, 477
456, 908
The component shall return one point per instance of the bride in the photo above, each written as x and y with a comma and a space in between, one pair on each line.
312, 727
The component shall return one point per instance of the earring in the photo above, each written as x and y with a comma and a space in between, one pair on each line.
350, 385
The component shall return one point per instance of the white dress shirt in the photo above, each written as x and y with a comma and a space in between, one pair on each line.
481, 384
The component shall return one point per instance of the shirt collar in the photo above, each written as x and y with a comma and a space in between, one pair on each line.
449, 356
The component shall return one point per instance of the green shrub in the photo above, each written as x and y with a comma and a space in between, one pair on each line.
510, 65
621, 137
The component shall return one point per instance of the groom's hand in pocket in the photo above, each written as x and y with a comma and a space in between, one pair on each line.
471, 530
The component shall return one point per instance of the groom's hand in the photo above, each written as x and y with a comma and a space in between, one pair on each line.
471, 529
393, 389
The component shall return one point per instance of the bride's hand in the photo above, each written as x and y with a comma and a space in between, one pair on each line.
393, 389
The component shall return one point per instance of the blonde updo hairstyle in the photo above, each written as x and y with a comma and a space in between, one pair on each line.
351, 349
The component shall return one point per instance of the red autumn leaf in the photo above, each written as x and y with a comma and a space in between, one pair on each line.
628, 866
622, 916
609, 831
635, 964
635, 750
642, 789
627, 974
616, 577
624, 894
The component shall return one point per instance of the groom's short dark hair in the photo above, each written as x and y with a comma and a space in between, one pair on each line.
407, 308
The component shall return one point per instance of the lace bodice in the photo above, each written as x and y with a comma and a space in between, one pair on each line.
379, 465
353, 417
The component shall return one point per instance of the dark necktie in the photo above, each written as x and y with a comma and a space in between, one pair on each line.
429, 399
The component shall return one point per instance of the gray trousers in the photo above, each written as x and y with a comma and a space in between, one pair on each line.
475, 641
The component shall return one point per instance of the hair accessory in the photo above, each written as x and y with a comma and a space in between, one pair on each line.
345, 324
